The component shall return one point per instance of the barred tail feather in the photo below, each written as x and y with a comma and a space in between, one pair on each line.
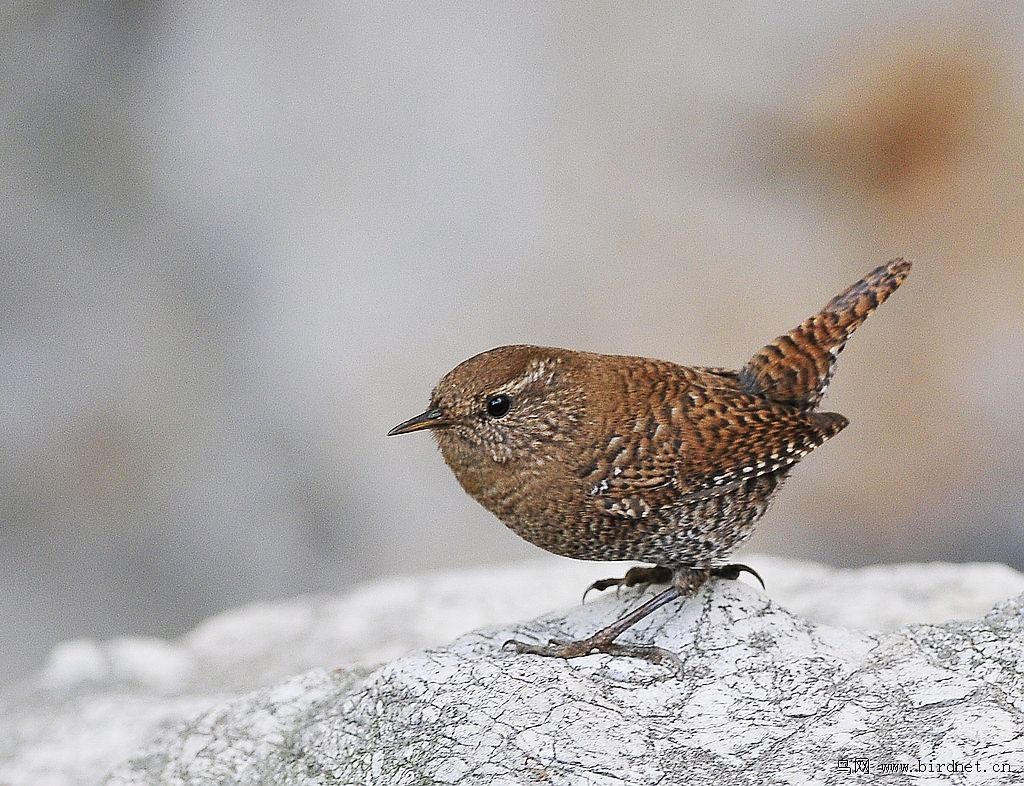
796, 368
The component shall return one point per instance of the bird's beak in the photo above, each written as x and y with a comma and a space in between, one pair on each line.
429, 419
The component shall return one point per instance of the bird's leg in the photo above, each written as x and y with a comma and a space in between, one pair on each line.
639, 575
685, 581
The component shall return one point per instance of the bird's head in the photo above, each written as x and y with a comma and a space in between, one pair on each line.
507, 404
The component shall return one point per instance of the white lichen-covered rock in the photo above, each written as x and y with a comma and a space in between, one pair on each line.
808, 683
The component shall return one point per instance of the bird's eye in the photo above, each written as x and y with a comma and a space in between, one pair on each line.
498, 406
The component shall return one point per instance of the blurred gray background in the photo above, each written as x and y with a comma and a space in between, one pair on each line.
240, 242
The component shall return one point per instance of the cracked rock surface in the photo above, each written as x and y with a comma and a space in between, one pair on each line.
917, 665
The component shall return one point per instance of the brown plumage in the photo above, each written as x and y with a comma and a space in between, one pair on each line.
609, 457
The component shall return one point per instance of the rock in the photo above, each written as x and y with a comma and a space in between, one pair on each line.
774, 690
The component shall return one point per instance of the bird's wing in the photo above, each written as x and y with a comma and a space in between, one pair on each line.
703, 444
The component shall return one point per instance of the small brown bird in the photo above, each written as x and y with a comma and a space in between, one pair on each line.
608, 457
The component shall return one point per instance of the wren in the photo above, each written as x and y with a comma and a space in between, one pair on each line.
609, 457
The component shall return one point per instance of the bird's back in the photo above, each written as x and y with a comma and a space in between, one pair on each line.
684, 459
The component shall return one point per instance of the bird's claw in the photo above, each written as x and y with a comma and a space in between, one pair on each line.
601, 585
635, 576
733, 571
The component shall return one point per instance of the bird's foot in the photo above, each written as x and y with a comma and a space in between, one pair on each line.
636, 576
684, 582
604, 639
689, 580
598, 644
